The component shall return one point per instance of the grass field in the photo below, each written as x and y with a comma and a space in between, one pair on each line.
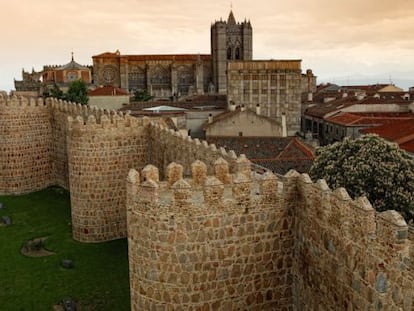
98, 280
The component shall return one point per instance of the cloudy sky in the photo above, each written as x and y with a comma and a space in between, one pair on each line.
345, 42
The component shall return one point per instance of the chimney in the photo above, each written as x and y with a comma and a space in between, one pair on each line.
232, 106
284, 126
210, 118
258, 111
310, 97
243, 108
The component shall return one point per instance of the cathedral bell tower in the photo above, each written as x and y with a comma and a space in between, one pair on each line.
229, 41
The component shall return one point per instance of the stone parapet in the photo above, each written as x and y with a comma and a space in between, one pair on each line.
347, 255
170, 146
208, 246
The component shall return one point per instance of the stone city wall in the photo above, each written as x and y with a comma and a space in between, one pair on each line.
38, 144
25, 145
59, 112
266, 244
100, 154
347, 256
210, 242
166, 146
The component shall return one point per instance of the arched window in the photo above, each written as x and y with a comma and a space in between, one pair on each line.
237, 56
160, 76
185, 78
229, 53
136, 78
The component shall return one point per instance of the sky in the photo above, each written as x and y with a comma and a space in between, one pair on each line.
342, 41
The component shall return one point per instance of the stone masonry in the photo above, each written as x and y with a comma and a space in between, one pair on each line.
263, 243
214, 246
204, 232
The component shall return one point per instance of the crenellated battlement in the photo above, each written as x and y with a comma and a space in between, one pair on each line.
184, 227
106, 120
18, 102
356, 219
219, 191
175, 146
200, 237
343, 241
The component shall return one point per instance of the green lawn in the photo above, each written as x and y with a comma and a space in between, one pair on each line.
99, 279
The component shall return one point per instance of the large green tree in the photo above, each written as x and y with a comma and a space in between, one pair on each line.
372, 167
77, 92
56, 92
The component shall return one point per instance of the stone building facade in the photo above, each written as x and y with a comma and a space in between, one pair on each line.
160, 75
242, 123
39, 83
182, 74
273, 85
225, 238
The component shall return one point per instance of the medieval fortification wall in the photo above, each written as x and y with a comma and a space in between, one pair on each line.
210, 235
25, 145
262, 243
210, 243
347, 257
100, 156
87, 151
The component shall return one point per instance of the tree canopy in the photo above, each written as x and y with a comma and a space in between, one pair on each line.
142, 96
77, 92
372, 167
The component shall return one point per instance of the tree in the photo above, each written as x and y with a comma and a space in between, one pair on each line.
77, 92
56, 92
372, 167
142, 96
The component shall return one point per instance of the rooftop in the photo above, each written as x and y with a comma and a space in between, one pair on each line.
400, 132
279, 154
322, 110
107, 91
358, 119
165, 57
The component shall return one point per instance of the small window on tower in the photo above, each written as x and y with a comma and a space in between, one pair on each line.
229, 53
237, 53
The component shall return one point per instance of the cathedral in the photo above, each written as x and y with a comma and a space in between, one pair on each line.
272, 87
183, 74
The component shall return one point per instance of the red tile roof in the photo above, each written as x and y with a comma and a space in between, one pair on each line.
408, 146
321, 110
370, 88
357, 119
296, 150
108, 91
279, 154
400, 132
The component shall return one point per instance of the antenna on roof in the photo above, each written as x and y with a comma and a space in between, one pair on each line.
72, 56
391, 80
